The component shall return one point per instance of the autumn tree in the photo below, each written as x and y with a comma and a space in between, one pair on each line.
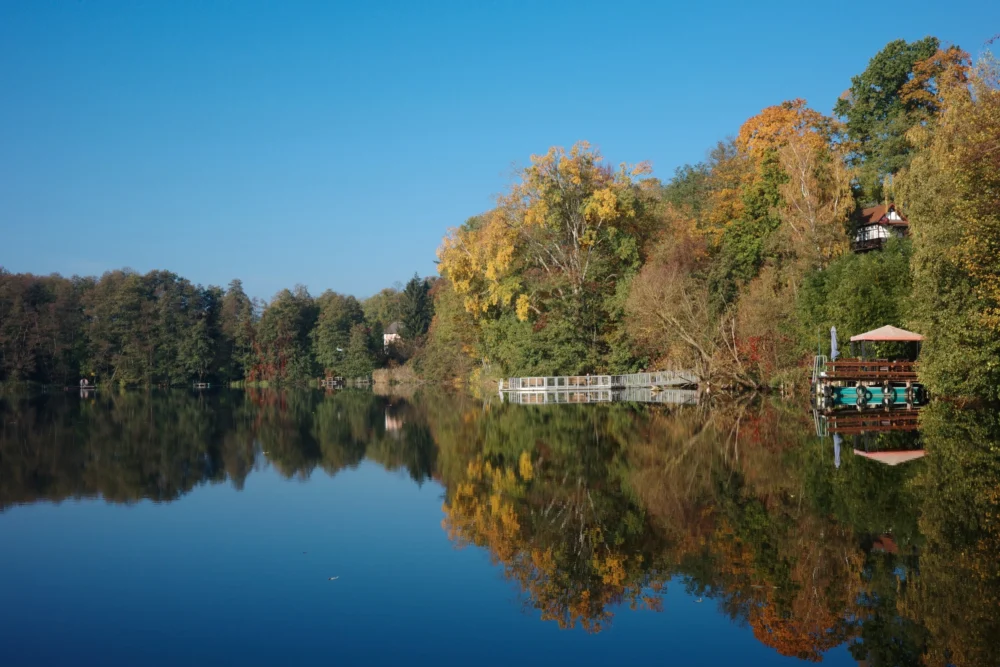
41, 322
554, 250
877, 116
932, 78
955, 223
452, 343
282, 342
669, 311
817, 200
755, 198
717, 295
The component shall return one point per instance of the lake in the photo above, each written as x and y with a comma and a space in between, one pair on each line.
263, 528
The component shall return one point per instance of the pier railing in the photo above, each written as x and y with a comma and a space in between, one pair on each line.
589, 382
557, 382
875, 369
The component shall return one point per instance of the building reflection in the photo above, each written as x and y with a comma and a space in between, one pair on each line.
890, 436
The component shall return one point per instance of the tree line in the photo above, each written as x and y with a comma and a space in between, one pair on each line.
158, 328
737, 266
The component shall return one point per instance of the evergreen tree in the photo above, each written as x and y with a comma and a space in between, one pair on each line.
877, 117
236, 322
417, 308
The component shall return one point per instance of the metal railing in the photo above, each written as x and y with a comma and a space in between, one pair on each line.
570, 382
819, 368
557, 382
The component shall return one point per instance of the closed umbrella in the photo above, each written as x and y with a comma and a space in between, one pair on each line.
834, 352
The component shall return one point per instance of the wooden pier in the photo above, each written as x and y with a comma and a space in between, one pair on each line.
569, 383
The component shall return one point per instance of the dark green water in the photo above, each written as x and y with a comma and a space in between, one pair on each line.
177, 528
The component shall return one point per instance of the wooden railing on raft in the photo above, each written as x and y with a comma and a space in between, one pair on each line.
872, 370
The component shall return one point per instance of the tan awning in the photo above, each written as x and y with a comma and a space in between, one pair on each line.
888, 333
892, 458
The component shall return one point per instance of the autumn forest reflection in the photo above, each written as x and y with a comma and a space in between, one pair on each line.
592, 509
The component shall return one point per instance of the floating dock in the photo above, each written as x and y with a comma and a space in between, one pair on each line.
869, 383
866, 384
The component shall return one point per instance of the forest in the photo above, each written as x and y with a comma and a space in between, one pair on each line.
159, 329
735, 267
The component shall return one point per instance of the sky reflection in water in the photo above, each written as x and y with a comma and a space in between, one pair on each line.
594, 534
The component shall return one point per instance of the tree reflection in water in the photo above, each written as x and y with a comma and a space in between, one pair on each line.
588, 508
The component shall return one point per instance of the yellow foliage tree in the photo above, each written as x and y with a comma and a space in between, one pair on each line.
817, 193
949, 191
479, 259
775, 126
817, 199
731, 169
561, 224
946, 69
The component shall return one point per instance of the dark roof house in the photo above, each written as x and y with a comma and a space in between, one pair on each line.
876, 225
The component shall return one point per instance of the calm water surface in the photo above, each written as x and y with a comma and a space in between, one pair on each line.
175, 528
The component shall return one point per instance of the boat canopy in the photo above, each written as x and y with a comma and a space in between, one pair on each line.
888, 333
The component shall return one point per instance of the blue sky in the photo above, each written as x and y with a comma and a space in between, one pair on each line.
333, 144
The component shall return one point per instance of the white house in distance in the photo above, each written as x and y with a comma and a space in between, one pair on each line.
877, 225
391, 335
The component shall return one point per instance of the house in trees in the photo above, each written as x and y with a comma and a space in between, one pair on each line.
878, 224
392, 336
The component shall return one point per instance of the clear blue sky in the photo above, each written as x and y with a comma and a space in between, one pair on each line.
333, 144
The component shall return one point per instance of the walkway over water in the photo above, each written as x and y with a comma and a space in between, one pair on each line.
632, 395
593, 382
